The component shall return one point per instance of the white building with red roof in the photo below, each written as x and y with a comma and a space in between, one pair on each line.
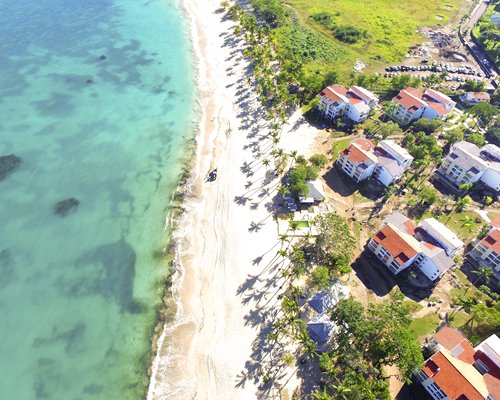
486, 253
355, 103
475, 97
386, 162
399, 245
411, 104
358, 160
458, 371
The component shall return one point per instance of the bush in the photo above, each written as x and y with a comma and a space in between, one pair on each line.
427, 125
271, 10
349, 34
476, 138
318, 160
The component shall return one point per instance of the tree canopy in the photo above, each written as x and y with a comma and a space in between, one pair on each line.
334, 242
367, 340
485, 112
422, 147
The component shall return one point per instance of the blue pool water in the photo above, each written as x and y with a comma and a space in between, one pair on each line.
96, 99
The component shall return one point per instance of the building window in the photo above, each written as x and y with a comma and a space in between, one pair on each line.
456, 170
435, 391
383, 254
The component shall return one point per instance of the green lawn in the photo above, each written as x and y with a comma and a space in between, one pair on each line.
425, 325
457, 223
389, 26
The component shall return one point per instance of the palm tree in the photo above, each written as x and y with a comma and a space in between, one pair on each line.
468, 223
266, 162
322, 395
483, 272
282, 190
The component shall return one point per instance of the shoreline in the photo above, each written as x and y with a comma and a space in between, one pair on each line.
225, 279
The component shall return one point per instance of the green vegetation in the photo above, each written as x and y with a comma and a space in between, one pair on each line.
488, 34
465, 224
383, 30
426, 125
484, 112
425, 326
334, 243
423, 148
298, 178
367, 340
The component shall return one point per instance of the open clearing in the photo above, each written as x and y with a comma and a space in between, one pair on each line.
390, 26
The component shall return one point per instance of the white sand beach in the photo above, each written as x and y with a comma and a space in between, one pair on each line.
228, 238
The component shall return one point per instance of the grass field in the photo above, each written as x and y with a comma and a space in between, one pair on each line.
457, 223
388, 28
425, 325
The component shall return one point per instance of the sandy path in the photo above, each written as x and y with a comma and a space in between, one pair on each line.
229, 241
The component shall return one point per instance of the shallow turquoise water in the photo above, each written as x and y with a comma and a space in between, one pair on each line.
78, 293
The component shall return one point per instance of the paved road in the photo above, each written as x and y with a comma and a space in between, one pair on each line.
476, 51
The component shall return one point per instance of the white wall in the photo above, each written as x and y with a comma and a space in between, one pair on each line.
429, 269
384, 176
491, 178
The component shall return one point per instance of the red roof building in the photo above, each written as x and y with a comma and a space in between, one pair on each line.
412, 104
457, 371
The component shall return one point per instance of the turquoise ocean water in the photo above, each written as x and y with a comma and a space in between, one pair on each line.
96, 99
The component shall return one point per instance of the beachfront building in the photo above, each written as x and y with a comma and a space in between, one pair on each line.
429, 247
457, 370
354, 103
466, 163
475, 97
486, 252
386, 162
411, 104
315, 194
316, 314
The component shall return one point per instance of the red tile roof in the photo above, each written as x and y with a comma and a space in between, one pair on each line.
355, 155
495, 222
493, 385
449, 337
438, 96
493, 240
362, 93
449, 379
438, 107
354, 100
365, 144
479, 95
410, 98
395, 244
409, 227
331, 95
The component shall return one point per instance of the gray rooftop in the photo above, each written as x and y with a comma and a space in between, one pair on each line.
391, 165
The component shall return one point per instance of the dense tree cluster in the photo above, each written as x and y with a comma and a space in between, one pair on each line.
334, 242
366, 341
423, 148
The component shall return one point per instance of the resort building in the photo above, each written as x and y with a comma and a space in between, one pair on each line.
458, 371
429, 247
466, 163
358, 160
386, 162
354, 103
475, 97
411, 104
315, 194
486, 252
